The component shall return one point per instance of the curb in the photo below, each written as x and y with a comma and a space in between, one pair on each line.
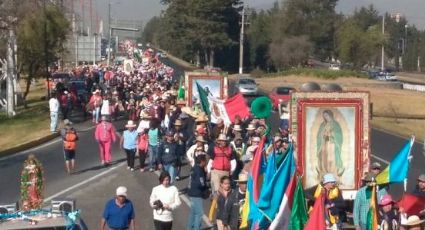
28, 145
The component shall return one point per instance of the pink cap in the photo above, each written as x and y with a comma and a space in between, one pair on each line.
386, 199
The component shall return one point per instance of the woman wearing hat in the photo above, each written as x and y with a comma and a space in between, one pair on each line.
413, 223
128, 142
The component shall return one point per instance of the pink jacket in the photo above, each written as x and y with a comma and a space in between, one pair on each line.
105, 132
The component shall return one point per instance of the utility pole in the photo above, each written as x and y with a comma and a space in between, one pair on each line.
241, 41
46, 60
110, 34
383, 49
10, 72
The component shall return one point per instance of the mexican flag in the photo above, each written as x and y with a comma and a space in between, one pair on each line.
226, 110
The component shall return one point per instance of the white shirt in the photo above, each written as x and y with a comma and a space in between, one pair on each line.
190, 153
54, 105
144, 124
168, 196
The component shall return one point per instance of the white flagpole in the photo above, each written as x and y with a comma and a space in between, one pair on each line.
409, 158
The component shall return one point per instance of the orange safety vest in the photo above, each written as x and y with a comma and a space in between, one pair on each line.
70, 140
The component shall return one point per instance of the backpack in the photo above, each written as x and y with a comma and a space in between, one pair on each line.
69, 140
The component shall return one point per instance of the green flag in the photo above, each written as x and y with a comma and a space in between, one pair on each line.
203, 97
180, 94
299, 210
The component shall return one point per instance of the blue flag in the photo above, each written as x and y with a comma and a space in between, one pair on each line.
273, 192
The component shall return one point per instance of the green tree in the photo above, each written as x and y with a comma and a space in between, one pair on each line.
313, 18
258, 34
358, 46
32, 38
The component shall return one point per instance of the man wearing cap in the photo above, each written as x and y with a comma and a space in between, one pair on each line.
222, 161
128, 142
105, 136
167, 155
119, 212
375, 168
200, 147
420, 186
389, 218
362, 201
70, 138
242, 187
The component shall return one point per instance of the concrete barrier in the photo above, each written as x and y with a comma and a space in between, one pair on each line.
415, 87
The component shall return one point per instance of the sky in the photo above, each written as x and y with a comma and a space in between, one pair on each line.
143, 10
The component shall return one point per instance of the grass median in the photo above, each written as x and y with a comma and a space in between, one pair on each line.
29, 124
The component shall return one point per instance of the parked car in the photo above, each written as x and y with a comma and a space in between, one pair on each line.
246, 85
386, 76
334, 67
280, 94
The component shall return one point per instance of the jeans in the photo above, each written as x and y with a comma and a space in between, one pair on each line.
153, 155
171, 169
196, 213
54, 116
160, 225
96, 114
131, 153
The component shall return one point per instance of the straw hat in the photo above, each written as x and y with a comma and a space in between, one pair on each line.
96, 91
237, 128
67, 122
178, 122
251, 127
202, 117
181, 102
189, 111
130, 124
222, 137
145, 115
242, 178
413, 221
201, 139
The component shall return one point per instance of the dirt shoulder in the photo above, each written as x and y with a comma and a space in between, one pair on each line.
391, 104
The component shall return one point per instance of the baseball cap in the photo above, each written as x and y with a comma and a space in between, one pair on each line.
121, 191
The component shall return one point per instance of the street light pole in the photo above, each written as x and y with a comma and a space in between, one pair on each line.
110, 34
241, 40
46, 60
382, 48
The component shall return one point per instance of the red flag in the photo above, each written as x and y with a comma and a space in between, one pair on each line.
256, 170
236, 106
412, 204
317, 215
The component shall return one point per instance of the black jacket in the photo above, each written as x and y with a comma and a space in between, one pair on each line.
167, 153
197, 185
228, 209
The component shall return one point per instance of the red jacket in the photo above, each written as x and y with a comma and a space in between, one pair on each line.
222, 158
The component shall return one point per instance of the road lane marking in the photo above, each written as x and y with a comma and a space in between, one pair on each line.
380, 159
186, 200
83, 182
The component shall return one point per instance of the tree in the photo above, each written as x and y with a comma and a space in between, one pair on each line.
313, 18
258, 35
358, 46
291, 51
32, 38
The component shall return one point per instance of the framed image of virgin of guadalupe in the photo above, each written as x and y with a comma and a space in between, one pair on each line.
332, 136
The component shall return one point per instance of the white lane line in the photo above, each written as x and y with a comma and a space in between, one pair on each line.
186, 200
83, 182
380, 159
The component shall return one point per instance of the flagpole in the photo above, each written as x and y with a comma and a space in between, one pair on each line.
409, 158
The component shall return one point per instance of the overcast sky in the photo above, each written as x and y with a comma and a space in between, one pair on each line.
143, 10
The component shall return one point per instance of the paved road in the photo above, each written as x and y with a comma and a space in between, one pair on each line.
93, 185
